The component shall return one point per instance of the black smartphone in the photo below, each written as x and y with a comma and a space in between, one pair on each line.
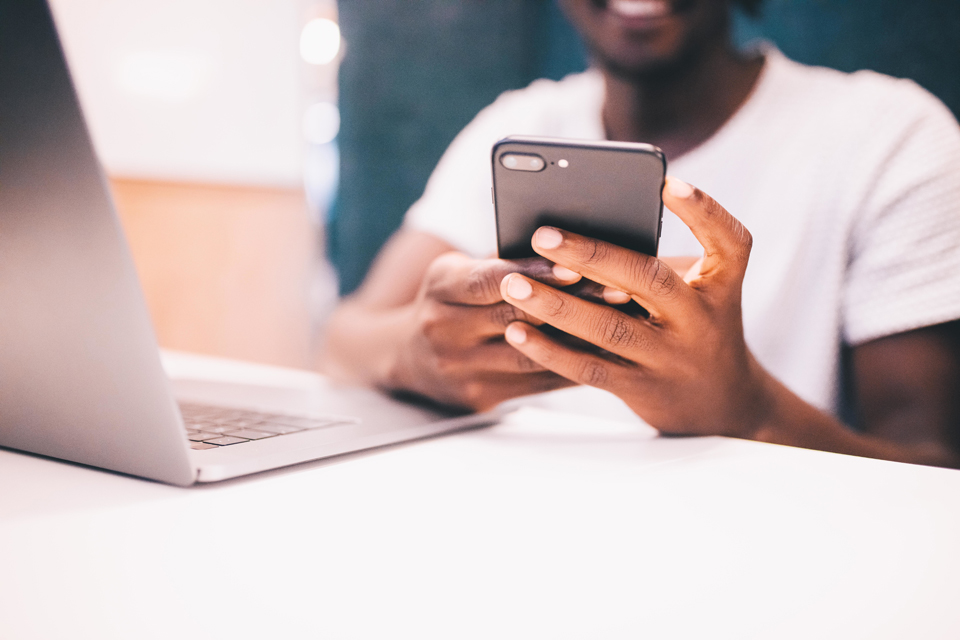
610, 191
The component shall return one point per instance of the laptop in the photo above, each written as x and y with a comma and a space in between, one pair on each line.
80, 372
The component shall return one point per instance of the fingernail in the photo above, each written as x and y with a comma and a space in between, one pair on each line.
615, 296
678, 188
547, 238
562, 273
518, 288
515, 333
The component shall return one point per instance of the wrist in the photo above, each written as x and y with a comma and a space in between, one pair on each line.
763, 401
784, 418
393, 369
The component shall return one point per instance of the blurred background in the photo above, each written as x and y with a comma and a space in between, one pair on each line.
216, 122
260, 151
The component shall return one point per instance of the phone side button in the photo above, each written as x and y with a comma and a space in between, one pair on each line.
491, 196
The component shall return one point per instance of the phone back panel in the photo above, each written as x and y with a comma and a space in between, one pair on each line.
607, 190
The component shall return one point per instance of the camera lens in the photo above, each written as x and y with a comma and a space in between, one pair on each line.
523, 162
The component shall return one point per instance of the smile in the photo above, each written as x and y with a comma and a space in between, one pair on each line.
639, 8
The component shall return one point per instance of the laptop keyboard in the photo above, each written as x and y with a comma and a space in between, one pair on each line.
209, 427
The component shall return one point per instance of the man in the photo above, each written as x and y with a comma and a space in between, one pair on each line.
849, 185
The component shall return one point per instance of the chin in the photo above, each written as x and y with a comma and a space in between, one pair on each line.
637, 38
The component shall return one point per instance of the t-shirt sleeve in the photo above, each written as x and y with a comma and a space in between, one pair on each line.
904, 259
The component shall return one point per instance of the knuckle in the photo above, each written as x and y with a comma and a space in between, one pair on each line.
658, 278
592, 373
617, 330
438, 270
663, 283
745, 241
445, 365
472, 394
433, 321
594, 252
480, 284
525, 364
711, 208
557, 306
504, 314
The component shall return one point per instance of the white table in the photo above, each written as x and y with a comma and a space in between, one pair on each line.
546, 526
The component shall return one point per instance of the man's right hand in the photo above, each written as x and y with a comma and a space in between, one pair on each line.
452, 349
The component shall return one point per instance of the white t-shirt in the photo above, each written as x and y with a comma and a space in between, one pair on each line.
849, 183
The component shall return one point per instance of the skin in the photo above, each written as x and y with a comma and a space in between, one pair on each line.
432, 322
671, 81
686, 368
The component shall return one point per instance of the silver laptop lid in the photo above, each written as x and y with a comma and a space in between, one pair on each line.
80, 374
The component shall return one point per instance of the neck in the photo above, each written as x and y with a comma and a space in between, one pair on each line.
679, 109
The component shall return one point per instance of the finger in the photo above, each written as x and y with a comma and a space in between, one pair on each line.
487, 321
586, 289
499, 357
726, 242
458, 279
606, 327
484, 392
459, 325
577, 366
596, 292
615, 296
653, 284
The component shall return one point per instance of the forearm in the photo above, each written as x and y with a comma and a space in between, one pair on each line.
789, 420
361, 344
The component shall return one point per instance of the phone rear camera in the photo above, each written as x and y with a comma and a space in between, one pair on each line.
523, 162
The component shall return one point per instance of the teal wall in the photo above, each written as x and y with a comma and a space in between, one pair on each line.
416, 71
918, 39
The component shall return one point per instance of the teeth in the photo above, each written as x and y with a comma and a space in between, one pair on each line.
640, 8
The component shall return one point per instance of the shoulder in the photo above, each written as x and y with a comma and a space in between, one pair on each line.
861, 132
859, 104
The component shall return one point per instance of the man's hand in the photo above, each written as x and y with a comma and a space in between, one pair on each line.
685, 368
452, 349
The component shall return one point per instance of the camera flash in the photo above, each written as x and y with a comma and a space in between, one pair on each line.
562, 163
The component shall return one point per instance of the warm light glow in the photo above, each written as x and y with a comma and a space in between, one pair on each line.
321, 123
320, 41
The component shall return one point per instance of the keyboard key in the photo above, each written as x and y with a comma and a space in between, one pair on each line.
305, 423
210, 426
225, 440
201, 436
218, 428
250, 434
241, 423
277, 429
